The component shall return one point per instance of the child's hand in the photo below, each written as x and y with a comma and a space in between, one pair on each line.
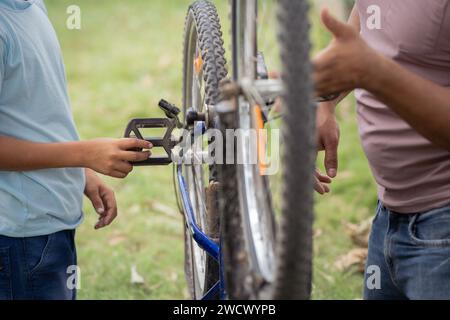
102, 199
112, 157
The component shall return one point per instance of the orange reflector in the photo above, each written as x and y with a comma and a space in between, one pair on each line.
198, 63
262, 140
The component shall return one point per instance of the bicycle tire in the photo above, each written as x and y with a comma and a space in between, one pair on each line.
293, 273
202, 18
294, 277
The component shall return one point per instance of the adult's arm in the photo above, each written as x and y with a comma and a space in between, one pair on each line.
421, 103
349, 63
354, 22
327, 127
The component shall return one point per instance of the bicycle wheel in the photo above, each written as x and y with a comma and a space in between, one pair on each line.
204, 68
267, 222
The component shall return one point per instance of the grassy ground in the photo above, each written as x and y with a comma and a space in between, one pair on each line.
126, 57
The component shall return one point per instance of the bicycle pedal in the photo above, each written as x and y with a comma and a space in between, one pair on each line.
166, 142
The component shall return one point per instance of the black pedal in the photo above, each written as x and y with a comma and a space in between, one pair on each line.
166, 142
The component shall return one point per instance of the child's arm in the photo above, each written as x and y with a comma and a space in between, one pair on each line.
107, 156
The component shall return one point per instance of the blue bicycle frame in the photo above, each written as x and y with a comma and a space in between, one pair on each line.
170, 123
204, 242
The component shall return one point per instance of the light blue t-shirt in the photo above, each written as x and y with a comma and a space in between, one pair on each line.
34, 106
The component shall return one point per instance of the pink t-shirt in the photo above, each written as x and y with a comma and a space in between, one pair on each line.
412, 174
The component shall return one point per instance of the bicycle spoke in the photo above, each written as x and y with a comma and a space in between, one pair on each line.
200, 190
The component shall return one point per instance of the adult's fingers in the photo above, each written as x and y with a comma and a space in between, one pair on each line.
320, 188
331, 157
324, 83
324, 60
330, 82
339, 29
323, 178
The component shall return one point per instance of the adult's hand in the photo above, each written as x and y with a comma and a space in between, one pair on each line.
347, 63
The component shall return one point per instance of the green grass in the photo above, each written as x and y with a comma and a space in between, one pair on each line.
126, 57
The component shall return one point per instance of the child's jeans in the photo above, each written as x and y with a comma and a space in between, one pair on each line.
42, 268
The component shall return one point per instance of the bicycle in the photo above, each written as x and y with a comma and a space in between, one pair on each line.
243, 239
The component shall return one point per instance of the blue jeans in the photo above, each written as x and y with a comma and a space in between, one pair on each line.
409, 256
38, 268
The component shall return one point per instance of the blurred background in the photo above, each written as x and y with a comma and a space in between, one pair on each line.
126, 57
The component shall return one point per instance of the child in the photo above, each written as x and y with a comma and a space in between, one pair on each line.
44, 169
